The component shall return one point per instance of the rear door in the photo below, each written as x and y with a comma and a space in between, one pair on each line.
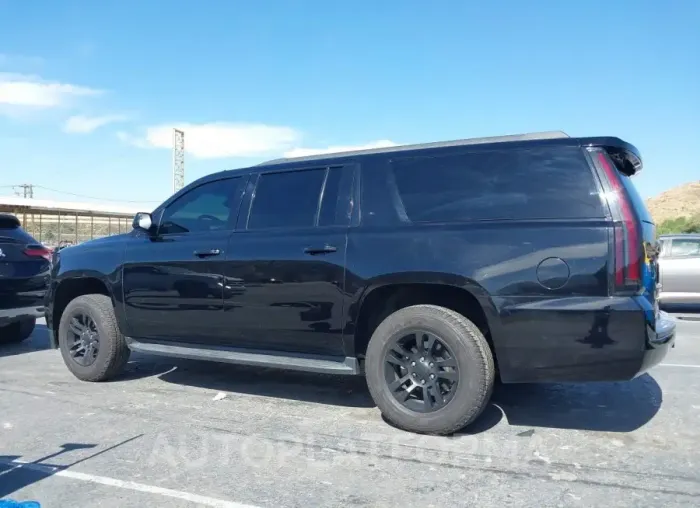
285, 264
173, 281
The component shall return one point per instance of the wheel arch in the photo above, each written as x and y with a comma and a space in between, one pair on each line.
69, 287
382, 296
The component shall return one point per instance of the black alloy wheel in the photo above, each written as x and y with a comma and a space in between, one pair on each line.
85, 339
421, 372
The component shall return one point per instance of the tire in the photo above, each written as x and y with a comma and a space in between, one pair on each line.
113, 352
467, 348
17, 332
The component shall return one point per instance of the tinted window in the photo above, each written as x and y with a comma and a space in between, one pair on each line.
685, 248
288, 200
209, 207
509, 184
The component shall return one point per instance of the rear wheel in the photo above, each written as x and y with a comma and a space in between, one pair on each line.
429, 369
18, 331
91, 344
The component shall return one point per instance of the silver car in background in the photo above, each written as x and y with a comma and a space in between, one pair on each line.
679, 267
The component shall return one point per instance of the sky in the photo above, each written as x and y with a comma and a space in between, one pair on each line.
90, 91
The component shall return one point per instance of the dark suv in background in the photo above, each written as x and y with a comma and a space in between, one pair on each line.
24, 277
431, 269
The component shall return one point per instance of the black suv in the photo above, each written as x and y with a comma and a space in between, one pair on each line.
24, 277
431, 269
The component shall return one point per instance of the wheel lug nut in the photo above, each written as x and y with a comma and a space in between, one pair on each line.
422, 359
413, 364
415, 375
422, 381
431, 364
432, 376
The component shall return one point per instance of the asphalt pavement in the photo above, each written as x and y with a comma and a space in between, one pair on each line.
182, 433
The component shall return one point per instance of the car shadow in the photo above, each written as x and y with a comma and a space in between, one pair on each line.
38, 341
610, 407
16, 474
349, 391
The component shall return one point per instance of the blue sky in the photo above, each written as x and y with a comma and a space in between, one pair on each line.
89, 90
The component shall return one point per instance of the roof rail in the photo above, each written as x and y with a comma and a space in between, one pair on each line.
533, 136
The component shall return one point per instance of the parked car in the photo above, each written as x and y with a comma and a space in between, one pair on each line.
24, 278
679, 265
431, 269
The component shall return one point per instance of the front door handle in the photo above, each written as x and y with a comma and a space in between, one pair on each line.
326, 249
207, 253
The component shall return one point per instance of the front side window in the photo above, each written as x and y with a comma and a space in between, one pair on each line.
209, 207
685, 248
287, 200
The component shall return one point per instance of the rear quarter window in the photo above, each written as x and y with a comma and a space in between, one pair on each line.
541, 183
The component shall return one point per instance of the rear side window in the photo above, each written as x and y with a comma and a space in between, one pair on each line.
681, 248
537, 183
287, 200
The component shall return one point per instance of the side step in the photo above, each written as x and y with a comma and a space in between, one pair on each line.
290, 361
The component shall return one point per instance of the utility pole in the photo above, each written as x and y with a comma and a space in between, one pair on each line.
27, 190
178, 160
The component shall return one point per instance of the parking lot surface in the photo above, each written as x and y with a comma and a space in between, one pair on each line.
182, 433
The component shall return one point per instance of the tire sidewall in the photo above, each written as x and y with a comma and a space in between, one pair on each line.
65, 340
472, 375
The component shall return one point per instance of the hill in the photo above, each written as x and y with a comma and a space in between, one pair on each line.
681, 201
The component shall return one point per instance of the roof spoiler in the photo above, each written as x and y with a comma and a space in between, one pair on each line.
626, 157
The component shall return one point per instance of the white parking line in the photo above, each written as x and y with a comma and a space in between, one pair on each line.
129, 485
686, 366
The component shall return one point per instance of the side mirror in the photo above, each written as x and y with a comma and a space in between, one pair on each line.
143, 221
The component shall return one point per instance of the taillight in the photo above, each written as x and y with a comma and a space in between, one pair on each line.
38, 251
628, 244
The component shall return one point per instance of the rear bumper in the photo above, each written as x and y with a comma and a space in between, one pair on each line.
9, 316
659, 340
582, 340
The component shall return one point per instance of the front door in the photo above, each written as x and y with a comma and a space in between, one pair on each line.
285, 265
173, 280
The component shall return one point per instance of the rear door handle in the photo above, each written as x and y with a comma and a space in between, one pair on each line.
326, 249
207, 253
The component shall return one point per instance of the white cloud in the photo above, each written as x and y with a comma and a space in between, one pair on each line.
303, 152
85, 124
220, 139
29, 91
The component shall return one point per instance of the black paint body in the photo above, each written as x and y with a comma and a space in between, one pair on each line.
23, 279
542, 282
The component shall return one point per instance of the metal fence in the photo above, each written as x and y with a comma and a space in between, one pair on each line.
55, 228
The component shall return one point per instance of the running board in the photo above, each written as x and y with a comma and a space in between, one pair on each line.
290, 361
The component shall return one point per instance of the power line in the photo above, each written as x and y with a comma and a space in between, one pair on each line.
93, 197
29, 192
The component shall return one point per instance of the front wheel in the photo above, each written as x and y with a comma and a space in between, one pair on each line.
429, 369
91, 344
